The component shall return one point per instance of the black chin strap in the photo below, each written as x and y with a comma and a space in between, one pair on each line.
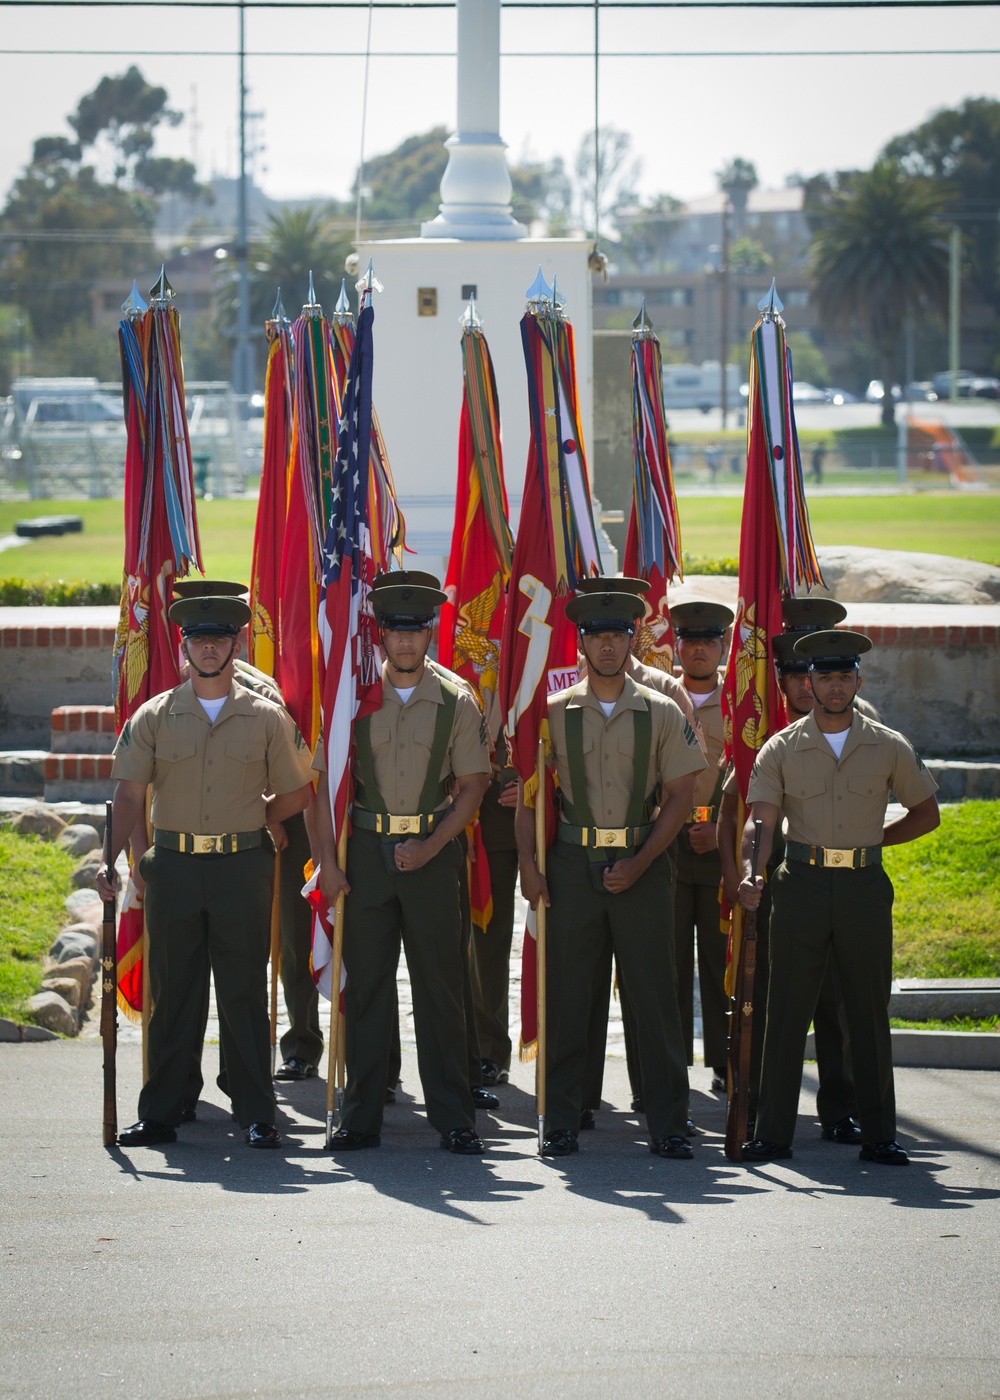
403, 670
827, 711
618, 671
210, 675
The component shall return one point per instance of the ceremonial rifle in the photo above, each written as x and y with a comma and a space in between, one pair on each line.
741, 1024
109, 996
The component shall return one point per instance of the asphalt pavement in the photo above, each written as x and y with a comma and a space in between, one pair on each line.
204, 1268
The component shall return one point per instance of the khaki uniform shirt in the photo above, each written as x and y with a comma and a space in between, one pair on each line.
609, 747
666, 684
710, 722
838, 803
402, 736
210, 778
258, 681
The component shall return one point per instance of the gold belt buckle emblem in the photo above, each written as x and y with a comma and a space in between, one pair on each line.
838, 857
399, 826
205, 845
700, 814
609, 836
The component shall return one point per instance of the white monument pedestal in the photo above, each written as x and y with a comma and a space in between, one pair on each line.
418, 362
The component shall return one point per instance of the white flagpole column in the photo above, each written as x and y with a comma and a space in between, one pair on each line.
475, 187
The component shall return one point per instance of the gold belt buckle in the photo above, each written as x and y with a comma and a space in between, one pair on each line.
835, 857
400, 826
610, 836
700, 814
206, 845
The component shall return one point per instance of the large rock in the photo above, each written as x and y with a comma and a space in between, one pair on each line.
85, 870
76, 941
79, 839
10, 1031
66, 987
859, 575
85, 906
50, 1010
37, 821
80, 970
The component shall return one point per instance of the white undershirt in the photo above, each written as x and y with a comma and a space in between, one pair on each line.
607, 706
212, 707
698, 697
837, 741
404, 695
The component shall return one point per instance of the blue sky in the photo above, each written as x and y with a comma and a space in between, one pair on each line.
687, 115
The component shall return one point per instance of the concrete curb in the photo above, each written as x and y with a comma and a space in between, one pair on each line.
939, 1049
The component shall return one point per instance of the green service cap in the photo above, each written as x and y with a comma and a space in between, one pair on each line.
210, 617
694, 620
832, 651
611, 583
209, 588
605, 612
811, 614
405, 607
785, 658
397, 578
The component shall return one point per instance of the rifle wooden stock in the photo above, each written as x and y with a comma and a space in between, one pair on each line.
741, 1026
109, 1000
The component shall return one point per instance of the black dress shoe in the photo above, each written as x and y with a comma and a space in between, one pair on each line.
463, 1142
346, 1140
390, 1096
560, 1143
890, 1154
189, 1111
147, 1133
672, 1146
483, 1098
295, 1068
690, 1129
587, 1120
492, 1073
263, 1135
637, 1105
718, 1083
845, 1130
760, 1150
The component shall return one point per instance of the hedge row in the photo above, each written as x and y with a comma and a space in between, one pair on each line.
60, 593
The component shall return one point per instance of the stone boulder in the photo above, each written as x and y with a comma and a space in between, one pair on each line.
37, 821
79, 839
85, 871
76, 941
66, 987
79, 970
84, 906
860, 575
50, 1010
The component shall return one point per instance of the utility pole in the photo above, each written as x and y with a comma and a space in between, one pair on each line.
954, 306
242, 356
724, 309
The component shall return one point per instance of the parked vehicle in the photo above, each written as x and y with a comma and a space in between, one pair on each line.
700, 386
969, 385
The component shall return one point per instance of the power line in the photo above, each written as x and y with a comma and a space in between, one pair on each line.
514, 53
588, 5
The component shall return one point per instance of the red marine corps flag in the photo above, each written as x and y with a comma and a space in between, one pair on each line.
653, 542
479, 564
556, 546
161, 544
272, 504
777, 557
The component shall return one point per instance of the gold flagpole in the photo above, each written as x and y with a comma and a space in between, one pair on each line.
540, 1059
334, 1097
275, 958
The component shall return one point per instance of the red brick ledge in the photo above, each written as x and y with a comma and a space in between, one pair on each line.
928, 636
77, 767
75, 638
91, 719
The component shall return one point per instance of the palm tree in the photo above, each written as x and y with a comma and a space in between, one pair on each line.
879, 256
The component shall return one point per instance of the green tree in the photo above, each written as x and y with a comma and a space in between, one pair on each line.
617, 177
748, 255
808, 363
960, 148
403, 186
879, 257
736, 179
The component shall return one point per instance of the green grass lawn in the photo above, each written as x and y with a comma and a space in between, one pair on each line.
35, 880
946, 917
963, 526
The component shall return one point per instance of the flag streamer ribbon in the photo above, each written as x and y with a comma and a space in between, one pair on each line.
272, 503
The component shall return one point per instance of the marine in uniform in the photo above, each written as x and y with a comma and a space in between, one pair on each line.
830, 775
491, 946
700, 630
210, 748
619, 750
301, 1045
421, 766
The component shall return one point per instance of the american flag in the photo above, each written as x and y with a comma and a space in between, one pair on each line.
352, 676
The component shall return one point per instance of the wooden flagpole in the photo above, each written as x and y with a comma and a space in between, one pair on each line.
334, 1096
540, 1058
275, 958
